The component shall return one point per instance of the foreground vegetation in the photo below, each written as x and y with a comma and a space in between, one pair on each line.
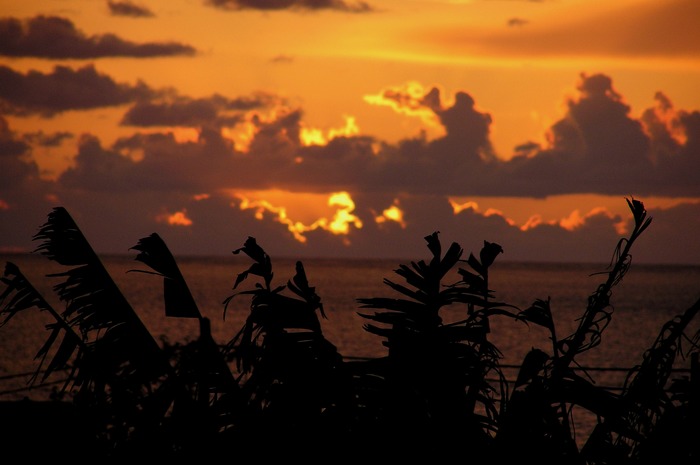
280, 389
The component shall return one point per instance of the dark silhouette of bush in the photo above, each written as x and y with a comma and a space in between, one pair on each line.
280, 389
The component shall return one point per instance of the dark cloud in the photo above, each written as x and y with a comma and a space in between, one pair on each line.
62, 90
15, 168
282, 59
57, 38
597, 146
189, 113
10, 145
22, 192
467, 130
130, 9
166, 166
671, 236
306, 5
176, 110
517, 22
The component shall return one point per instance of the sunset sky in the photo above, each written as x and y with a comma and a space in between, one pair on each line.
354, 128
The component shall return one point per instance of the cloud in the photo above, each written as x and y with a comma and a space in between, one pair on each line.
22, 192
599, 147
282, 59
130, 9
166, 165
596, 146
54, 37
517, 22
62, 90
174, 110
305, 5
10, 145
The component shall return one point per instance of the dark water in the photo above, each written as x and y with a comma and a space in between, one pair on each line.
647, 297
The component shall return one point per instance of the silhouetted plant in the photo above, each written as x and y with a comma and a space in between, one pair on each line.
280, 383
294, 383
434, 378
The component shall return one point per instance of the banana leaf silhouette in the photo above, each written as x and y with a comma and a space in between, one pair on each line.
177, 297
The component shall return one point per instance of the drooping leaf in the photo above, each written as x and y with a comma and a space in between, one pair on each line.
299, 285
539, 313
178, 299
489, 252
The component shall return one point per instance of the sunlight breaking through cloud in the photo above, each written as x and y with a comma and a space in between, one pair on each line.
339, 224
315, 136
175, 219
393, 213
458, 207
411, 99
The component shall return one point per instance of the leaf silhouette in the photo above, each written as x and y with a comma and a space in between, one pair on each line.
179, 301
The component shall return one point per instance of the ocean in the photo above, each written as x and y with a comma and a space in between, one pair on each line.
647, 297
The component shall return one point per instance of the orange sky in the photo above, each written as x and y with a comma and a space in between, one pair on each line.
353, 128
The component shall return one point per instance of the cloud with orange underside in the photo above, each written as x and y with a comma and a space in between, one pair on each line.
393, 214
339, 223
410, 99
179, 218
314, 136
575, 220
474, 206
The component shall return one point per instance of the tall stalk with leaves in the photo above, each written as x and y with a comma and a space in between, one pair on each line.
548, 387
434, 378
294, 385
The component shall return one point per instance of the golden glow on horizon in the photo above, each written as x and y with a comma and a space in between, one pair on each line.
497, 212
528, 212
532, 222
183, 134
175, 219
557, 210
393, 213
458, 207
343, 217
339, 222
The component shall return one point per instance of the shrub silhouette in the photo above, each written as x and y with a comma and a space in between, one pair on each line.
279, 388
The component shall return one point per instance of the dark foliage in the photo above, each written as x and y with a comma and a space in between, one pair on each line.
279, 388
